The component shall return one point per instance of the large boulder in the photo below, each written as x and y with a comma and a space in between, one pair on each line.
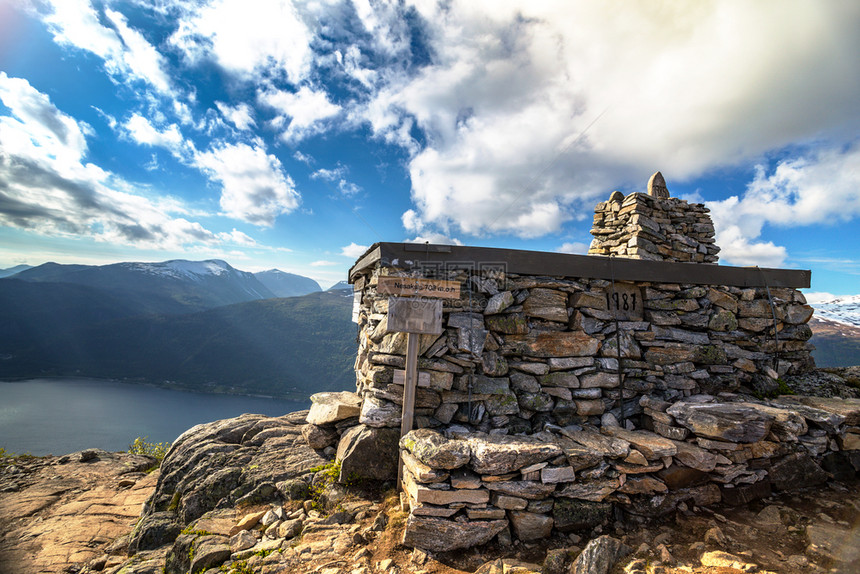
368, 453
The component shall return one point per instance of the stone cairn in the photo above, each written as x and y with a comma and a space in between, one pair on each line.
541, 405
653, 226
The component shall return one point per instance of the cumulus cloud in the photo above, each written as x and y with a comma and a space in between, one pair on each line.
141, 130
48, 187
337, 176
254, 187
574, 248
267, 37
555, 102
323, 263
817, 188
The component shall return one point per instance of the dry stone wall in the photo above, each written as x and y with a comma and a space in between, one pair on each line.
519, 352
465, 488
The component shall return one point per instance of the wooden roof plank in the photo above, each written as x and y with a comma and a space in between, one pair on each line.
580, 266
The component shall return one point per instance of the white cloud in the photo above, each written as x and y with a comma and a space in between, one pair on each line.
50, 189
337, 176
575, 248
246, 39
143, 132
303, 157
125, 51
323, 263
142, 59
241, 116
39, 130
303, 112
254, 187
547, 105
434, 239
819, 188
238, 238
353, 250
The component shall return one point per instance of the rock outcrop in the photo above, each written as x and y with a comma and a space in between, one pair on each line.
235, 462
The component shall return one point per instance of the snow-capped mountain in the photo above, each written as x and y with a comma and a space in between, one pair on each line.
845, 310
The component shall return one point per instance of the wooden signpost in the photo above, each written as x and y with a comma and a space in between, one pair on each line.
418, 314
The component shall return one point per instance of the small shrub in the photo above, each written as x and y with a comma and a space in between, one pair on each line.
154, 449
784, 389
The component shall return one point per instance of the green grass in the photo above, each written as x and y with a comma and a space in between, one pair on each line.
154, 449
7, 457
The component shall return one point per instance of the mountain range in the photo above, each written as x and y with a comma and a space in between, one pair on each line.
195, 324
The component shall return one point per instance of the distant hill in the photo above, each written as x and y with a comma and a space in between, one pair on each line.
340, 286
287, 284
170, 287
836, 344
13, 270
288, 347
836, 332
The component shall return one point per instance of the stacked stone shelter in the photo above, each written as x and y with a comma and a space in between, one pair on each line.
555, 376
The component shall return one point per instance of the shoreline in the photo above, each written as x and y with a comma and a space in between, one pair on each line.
164, 385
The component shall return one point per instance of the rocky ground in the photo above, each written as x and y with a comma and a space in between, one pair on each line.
82, 512
60, 513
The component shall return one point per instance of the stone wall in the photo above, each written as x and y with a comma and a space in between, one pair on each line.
519, 352
653, 226
464, 488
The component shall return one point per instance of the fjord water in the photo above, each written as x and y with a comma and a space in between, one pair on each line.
60, 416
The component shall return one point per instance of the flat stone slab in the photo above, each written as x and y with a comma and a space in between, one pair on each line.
848, 408
501, 454
436, 451
65, 514
841, 545
653, 446
599, 444
729, 422
441, 535
329, 408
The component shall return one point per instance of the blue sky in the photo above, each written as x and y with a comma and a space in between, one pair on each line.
293, 135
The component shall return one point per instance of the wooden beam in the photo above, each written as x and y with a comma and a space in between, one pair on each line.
540, 263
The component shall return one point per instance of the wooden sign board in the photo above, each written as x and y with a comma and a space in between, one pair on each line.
418, 287
415, 315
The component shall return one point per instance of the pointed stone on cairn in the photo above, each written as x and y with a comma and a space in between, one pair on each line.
657, 186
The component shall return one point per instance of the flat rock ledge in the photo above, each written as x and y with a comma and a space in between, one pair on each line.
58, 513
